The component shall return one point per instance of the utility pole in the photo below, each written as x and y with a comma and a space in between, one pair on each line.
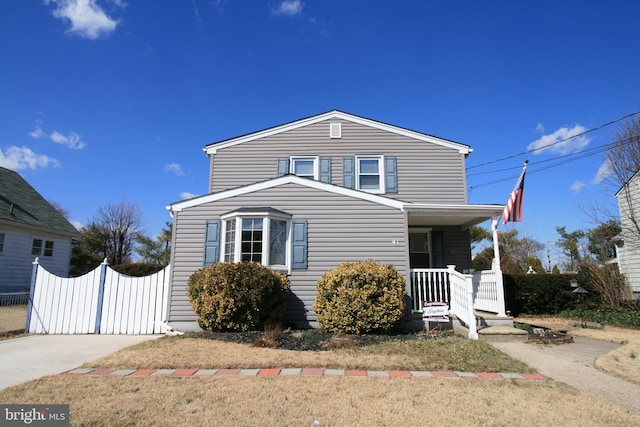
548, 256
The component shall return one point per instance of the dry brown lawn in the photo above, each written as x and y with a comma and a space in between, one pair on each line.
449, 354
331, 401
624, 362
12, 318
327, 401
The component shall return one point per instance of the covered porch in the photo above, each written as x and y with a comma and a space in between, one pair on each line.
440, 262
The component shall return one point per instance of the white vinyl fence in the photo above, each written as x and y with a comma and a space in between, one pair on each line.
102, 301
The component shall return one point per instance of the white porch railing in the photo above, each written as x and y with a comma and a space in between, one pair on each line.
488, 292
463, 292
461, 304
429, 285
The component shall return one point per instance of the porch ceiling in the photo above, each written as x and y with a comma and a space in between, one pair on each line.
462, 215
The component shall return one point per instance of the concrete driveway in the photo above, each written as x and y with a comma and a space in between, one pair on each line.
27, 358
573, 364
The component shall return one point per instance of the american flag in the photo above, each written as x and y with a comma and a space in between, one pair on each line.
513, 209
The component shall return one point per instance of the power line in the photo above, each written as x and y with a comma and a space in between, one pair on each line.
567, 158
557, 142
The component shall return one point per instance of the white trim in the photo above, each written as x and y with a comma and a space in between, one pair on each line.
316, 165
339, 115
283, 180
381, 173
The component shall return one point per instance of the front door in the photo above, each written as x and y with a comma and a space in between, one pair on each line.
419, 249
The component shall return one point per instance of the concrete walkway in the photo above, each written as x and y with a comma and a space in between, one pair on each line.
573, 364
27, 358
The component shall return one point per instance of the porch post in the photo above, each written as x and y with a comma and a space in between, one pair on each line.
495, 266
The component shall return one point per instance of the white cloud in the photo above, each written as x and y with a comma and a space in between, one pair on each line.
577, 186
87, 18
36, 133
603, 172
18, 158
175, 168
561, 141
186, 195
288, 8
72, 140
540, 128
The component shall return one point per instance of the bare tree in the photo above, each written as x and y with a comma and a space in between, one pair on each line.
623, 161
122, 226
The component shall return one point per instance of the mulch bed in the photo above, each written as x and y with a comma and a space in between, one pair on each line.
317, 339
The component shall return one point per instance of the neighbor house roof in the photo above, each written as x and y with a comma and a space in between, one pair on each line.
337, 115
22, 205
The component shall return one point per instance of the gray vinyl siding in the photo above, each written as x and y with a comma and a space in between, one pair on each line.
16, 261
340, 228
427, 172
629, 253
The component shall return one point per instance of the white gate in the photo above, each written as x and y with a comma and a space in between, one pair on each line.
102, 301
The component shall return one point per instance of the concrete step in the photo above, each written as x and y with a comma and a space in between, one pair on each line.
502, 334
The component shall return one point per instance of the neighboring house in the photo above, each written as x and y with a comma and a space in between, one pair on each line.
628, 242
305, 196
30, 228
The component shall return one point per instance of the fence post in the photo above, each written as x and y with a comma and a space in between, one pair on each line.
473, 329
32, 288
103, 277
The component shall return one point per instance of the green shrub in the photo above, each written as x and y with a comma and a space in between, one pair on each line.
138, 269
360, 297
242, 296
625, 314
544, 293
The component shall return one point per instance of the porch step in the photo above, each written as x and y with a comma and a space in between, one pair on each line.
496, 333
484, 319
503, 334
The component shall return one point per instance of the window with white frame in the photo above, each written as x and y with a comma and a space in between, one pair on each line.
305, 167
40, 247
370, 173
262, 237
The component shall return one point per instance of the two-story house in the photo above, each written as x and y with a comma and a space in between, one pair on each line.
628, 245
30, 228
307, 195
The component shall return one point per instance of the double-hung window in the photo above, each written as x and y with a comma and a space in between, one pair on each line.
370, 173
260, 236
305, 167
41, 247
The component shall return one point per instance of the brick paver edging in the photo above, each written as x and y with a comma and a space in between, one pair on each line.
295, 372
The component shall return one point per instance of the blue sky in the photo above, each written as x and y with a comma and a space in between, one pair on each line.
111, 100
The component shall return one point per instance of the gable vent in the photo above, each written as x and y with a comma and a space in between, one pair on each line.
335, 130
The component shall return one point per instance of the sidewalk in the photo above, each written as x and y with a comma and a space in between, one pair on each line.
573, 364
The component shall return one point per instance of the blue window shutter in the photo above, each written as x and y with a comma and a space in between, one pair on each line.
283, 166
391, 174
212, 242
349, 172
325, 169
299, 244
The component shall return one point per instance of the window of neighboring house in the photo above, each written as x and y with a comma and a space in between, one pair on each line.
42, 247
370, 173
305, 167
1, 242
36, 247
48, 248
